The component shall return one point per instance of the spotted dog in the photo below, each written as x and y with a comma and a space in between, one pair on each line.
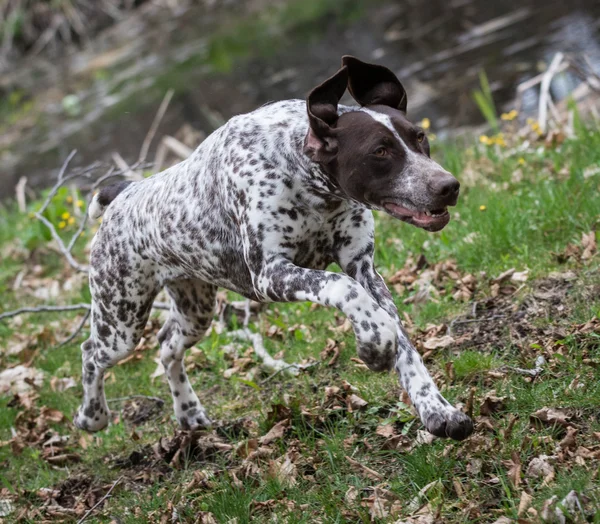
262, 207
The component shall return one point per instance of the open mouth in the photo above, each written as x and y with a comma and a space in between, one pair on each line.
429, 219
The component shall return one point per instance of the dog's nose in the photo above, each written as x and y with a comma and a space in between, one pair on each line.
445, 187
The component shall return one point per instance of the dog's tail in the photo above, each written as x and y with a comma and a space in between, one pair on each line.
104, 197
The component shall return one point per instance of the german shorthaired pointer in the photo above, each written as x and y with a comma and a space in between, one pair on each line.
262, 207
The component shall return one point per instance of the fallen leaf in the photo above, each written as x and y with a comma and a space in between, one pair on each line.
491, 403
62, 384
351, 495
524, 503
541, 467
20, 379
277, 431
438, 342
520, 276
355, 403
588, 242
514, 469
569, 442
551, 416
283, 470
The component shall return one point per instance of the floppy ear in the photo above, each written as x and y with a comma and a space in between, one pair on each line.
371, 84
322, 102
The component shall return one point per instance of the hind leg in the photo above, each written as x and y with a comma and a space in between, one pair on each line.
192, 309
120, 310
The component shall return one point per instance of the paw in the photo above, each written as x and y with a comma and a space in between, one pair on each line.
454, 424
193, 419
90, 420
377, 345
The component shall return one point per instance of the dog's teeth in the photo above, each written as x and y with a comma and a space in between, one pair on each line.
428, 213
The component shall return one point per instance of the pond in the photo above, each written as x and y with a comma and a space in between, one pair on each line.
224, 58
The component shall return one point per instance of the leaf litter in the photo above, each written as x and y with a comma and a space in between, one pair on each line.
243, 452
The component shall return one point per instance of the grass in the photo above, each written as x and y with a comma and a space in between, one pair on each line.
521, 206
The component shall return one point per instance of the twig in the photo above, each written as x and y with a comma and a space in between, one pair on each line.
259, 349
302, 367
545, 91
124, 167
77, 329
20, 194
155, 123
89, 511
133, 397
61, 245
43, 309
371, 473
538, 370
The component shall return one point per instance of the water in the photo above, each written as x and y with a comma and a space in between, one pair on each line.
227, 59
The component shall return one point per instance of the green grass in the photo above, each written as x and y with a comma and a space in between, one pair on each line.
526, 221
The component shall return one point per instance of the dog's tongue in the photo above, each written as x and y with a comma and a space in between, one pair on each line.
420, 216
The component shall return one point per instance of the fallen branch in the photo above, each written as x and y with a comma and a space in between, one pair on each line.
158, 400
538, 370
43, 309
77, 329
89, 511
545, 97
268, 361
155, 123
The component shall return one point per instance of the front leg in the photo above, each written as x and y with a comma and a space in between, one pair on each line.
355, 257
282, 281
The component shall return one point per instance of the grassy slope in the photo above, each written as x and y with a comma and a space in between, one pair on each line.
526, 219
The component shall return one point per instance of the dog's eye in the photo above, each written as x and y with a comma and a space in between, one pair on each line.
380, 151
420, 137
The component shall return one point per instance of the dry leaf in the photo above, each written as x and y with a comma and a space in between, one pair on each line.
524, 503
588, 242
19, 379
551, 416
283, 470
514, 469
540, 467
569, 442
277, 431
62, 384
438, 342
355, 403
491, 404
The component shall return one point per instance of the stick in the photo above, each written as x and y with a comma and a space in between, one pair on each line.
43, 309
61, 245
89, 511
132, 397
155, 123
545, 90
298, 366
77, 329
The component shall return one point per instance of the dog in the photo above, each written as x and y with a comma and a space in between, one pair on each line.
262, 207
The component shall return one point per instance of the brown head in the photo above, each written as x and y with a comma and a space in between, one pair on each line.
374, 153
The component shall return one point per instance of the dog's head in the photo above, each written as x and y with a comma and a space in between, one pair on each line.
375, 154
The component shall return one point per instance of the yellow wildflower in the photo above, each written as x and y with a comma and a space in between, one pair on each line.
69, 199
511, 115
65, 215
426, 123
521, 161
71, 221
79, 203
484, 139
499, 140
62, 224
431, 137
482, 208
